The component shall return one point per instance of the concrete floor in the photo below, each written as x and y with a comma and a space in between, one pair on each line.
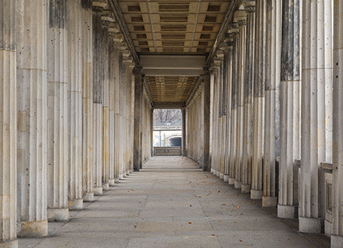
171, 203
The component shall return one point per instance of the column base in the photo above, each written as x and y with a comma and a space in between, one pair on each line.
217, 173
245, 188
237, 184
75, 204
9, 244
58, 214
106, 186
231, 181
221, 175
88, 197
97, 190
226, 178
336, 241
116, 180
212, 170
256, 194
285, 211
121, 177
111, 182
34, 229
269, 201
311, 225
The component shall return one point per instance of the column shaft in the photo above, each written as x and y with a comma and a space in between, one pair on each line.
57, 113
87, 116
337, 210
259, 98
316, 142
206, 120
272, 107
32, 116
228, 68
8, 124
113, 64
290, 95
98, 81
234, 89
240, 101
248, 101
75, 102
105, 107
137, 156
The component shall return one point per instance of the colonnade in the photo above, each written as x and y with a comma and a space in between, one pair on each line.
67, 111
275, 110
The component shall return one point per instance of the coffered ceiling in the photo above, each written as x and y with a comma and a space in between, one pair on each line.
170, 28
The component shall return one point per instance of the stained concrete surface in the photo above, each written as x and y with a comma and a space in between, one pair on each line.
172, 203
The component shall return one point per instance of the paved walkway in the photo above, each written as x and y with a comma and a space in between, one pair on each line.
171, 203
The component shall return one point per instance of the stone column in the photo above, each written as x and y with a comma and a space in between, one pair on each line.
184, 148
272, 107
137, 156
87, 116
337, 192
105, 106
57, 113
98, 80
248, 98
215, 115
75, 102
316, 142
32, 116
234, 89
259, 98
113, 57
206, 118
8, 124
228, 68
152, 132
290, 93
240, 17
117, 131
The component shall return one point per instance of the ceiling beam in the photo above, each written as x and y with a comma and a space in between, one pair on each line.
172, 72
180, 62
114, 5
169, 105
221, 33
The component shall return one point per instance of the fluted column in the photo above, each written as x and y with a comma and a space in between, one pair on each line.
8, 124
290, 95
117, 130
272, 107
316, 142
205, 101
105, 107
337, 209
234, 91
248, 98
259, 98
137, 156
240, 16
98, 80
228, 68
113, 64
184, 149
87, 110
75, 102
57, 113
32, 116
